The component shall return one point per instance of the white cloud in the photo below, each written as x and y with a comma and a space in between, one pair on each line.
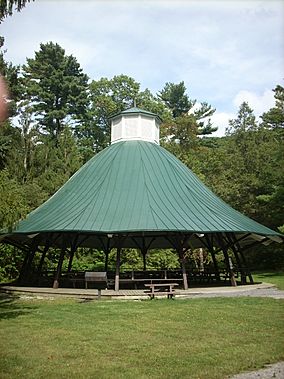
258, 102
221, 120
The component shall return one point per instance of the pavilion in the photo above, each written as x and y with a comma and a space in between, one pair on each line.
135, 194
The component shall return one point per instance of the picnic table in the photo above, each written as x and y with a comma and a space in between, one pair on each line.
161, 289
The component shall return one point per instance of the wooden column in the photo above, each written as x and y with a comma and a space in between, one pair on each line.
59, 268
73, 248
72, 253
210, 247
201, 259
228, 261
107, 251
28, 263
238, 248
23, 268
39, 269
116, 282
240, 266
182, 263
144, 252
230, 268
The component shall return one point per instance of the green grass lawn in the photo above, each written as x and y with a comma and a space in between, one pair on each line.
276, 278
196, 338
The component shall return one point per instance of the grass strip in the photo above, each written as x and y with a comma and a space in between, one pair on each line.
197, 338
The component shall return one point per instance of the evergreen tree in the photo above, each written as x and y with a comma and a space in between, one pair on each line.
175, 98
274, 118
7, 7
56, 89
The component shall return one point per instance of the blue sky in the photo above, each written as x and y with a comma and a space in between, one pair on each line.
226, 52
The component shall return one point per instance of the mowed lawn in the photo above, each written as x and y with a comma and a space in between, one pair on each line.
276, 278
193, 338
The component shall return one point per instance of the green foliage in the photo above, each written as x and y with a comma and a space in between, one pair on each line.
162, 259
12, 201
274, 118
7, 7
175, 98
10, 263
56, 88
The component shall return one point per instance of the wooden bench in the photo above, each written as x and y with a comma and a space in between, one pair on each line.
161, 289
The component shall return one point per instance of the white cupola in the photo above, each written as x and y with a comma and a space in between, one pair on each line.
135, 124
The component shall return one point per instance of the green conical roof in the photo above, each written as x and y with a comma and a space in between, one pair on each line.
136, 187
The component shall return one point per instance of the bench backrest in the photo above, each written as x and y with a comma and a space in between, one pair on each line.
98, 278
95, 276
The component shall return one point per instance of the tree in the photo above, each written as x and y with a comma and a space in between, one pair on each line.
56, 89
12, 202
7, 7
244, 122
244, 134
53, 164
274, 118
111, 96
175, 98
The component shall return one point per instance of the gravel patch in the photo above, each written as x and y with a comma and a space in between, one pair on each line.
259, 292
275, 371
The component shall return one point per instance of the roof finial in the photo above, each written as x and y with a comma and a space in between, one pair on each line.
134, 102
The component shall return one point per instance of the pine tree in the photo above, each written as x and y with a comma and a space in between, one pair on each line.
175, 98
56, 88
7, 7
274, 118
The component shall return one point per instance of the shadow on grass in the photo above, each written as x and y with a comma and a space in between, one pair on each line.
10, 307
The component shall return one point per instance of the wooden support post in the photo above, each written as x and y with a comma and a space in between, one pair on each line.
106, 259
238, 248
240, 266
201, 259
182, 263
144, 252
72, 253
116, 283
42, 258
212, 252
28, 263
228, 262
59, 268
245, 262
230, 268
39, 269
73, 248
23, 268
106, 249
216, 268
